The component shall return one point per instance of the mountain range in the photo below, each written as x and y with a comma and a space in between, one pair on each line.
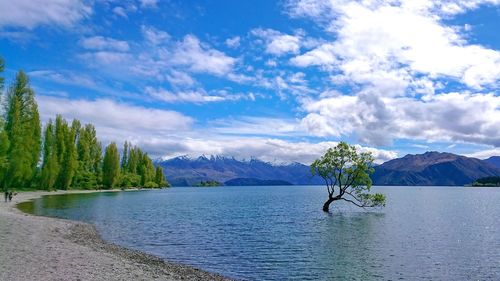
433, 168
430, 168
185, 171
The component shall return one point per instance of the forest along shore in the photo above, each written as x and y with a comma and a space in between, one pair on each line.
43, 248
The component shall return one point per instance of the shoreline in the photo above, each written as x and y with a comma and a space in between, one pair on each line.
45, 248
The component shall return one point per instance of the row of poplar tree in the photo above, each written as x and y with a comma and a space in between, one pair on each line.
69, 156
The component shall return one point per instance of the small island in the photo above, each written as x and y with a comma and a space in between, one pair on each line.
209, 183
487, 181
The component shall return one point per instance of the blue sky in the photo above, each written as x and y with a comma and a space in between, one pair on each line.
276, 80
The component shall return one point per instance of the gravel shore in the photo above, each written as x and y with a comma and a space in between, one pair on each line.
42, 248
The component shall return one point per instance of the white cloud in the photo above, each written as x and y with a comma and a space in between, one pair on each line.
258, 126
27, 14
115, 121
64, 77
324, 55
266, 149
198, 96
180, 78
190, 52
379, 120
120, 11
191, 96
233, 42
278, 43
397, 38
107, 59
484, 154
103, 43
153, 35
149, 3
395, 57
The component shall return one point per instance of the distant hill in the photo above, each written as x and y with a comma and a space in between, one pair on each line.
185, 171
254, 182
493, 160
433, 168
430, 168
488, 181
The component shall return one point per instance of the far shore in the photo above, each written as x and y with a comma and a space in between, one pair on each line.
43, 248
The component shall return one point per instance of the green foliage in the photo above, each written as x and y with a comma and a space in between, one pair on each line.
4, 150
111, 166
146, 170
128, 180
4, 138
23, 130
134, 159
50, 167
70, 162
89, 157
72, 155
125, 157
151, 184
208, 183
160, 178
487, 181
346, 174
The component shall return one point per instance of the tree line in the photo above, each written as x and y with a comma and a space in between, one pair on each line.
65, 155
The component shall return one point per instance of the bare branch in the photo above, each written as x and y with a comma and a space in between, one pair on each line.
361, 206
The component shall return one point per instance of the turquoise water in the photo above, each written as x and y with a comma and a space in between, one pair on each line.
280, 233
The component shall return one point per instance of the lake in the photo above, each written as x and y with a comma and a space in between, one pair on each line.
280, 233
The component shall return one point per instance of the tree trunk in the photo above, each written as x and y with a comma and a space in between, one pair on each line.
326, 206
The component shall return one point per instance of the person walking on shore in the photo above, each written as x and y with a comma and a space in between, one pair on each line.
6, 195
10, 196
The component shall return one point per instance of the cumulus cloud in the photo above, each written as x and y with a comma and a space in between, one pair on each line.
180, 78
233, 42
153, 35
395, 56
399, 39
190, 52
115, 121
379, 120
484, 154
27, 14
278, 43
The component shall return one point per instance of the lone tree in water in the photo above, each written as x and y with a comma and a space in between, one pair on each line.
346, 174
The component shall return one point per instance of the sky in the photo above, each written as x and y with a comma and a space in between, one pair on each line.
276, 80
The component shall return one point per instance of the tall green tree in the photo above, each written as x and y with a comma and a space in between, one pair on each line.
61, 129
146, 170
346, 174
23, 130
134, 159
111, 166
70, 163
125, 157
160, 177
50, 166
4, 138
86, 175
4, 150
